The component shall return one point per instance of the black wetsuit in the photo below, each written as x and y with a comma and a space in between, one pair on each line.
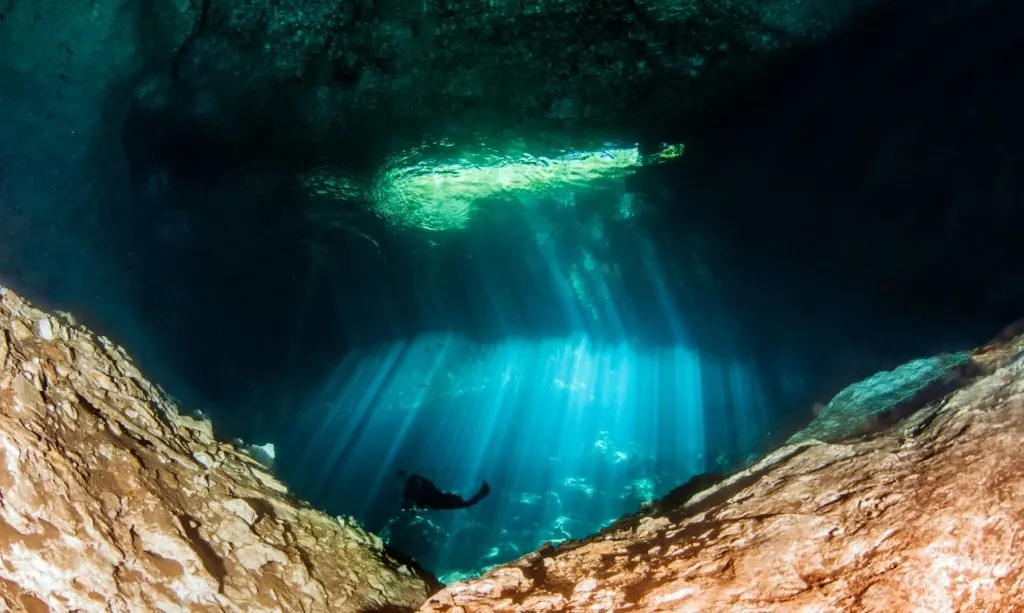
421, 493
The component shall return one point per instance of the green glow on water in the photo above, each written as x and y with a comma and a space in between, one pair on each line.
418, 190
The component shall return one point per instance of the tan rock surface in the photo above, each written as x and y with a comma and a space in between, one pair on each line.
110, 500
925, 516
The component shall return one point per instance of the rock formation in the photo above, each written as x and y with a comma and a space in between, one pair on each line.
325, 72
111, 500
924, 515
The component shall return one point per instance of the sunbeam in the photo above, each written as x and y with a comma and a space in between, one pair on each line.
570, 434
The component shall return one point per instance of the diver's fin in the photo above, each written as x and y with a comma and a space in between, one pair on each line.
480, 495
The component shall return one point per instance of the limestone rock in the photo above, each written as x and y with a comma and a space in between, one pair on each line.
923, 516
886, 397
110, 500
327, 69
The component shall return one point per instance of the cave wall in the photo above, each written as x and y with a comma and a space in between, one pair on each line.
353, 78
112, 499
66, 76
882, 161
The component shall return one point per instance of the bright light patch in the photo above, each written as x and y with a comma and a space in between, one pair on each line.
569, 433
440, 192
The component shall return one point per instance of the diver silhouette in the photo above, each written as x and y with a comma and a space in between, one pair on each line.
421, 493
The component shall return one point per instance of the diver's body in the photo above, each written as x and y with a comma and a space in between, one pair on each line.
421, 493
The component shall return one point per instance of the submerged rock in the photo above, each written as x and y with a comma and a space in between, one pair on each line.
110, 500
922, 516
885, 398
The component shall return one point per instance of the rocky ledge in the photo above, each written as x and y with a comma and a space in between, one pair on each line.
111, 500
917, 505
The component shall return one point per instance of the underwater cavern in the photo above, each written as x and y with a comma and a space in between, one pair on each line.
718, 299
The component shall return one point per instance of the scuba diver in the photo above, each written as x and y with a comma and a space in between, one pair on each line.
421, 493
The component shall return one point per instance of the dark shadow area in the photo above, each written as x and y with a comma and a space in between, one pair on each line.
882, 164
